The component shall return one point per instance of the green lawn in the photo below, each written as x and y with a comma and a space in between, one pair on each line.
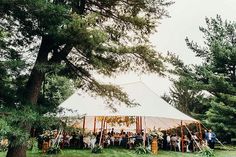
123, 153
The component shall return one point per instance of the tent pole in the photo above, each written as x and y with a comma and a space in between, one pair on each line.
94, 124
104, 124
200, 131
137, 124
182, 137
144, 141
100, 140
192, 137
83, 124
197, 127
141, 124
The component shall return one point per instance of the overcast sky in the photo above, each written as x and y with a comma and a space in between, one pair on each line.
186, 17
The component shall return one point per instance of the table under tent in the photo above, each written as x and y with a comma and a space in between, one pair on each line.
152, 111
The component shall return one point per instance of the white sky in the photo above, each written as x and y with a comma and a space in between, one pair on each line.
186, 17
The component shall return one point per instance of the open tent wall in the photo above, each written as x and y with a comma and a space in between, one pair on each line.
149, 123
157, 112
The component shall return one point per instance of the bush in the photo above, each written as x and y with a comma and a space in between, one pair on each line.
97, 149
32, 144
206, 152
142, 150
54, 150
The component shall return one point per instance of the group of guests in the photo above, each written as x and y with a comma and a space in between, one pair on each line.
129, 140
173, 142
81, 140
107, 139
191, 142
210, 138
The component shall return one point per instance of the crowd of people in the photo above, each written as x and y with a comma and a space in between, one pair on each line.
89, 140
173, 142
129, 140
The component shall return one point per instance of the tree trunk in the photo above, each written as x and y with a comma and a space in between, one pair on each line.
31, 94
37, 74
16, 151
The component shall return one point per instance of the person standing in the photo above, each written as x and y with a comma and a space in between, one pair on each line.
211, 138
205, 136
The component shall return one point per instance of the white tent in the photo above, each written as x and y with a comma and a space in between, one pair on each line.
156, 112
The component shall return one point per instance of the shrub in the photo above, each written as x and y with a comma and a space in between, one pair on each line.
54, 150
206, 152
32, 144
97, 149
142, 150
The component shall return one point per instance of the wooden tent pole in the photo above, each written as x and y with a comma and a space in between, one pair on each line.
94, 124
137, 124
104, 124
182, 137
101, 134
144, 141
192, 137
200, 131
197, 126
141, 124
83, 124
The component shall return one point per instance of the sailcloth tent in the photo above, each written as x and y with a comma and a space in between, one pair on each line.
155, 111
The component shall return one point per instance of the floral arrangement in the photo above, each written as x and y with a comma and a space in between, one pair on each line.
156, 133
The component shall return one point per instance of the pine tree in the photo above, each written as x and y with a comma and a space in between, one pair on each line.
76, 38
216, 74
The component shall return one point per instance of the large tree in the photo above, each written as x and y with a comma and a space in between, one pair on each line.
215, 77
74, 38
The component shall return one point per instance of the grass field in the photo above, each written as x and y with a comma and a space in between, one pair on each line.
124, 153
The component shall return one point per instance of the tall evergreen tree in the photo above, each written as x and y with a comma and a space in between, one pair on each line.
78, 37
216, 74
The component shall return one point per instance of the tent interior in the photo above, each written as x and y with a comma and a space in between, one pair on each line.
152, 111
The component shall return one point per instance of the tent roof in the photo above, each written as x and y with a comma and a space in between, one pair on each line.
151, 105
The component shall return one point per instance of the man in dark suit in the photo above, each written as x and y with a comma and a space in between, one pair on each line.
211, 139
